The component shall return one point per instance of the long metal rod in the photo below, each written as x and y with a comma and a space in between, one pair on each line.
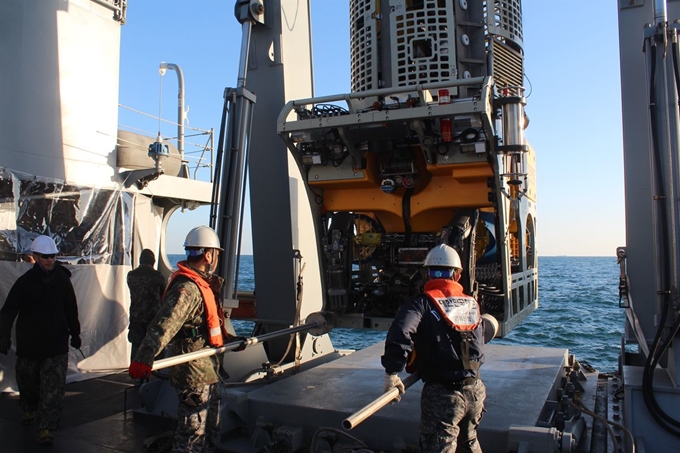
230, 218
673, 160
391, 90
660, 11
207, 352
189, 356
377, 404
246, 28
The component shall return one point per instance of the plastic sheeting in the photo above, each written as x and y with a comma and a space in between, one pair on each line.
89, 225
93, 231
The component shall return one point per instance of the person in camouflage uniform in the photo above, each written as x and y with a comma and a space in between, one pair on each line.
45, 304
183, 320
146, 290
447, 351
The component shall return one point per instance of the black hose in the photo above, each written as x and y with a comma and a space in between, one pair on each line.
662, 418
668, 422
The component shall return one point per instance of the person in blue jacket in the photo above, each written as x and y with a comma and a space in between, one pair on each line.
441, 332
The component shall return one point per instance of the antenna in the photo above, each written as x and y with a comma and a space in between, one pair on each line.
157, 150
161, 73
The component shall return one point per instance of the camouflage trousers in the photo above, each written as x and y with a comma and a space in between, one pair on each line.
449, 418
42, 383
198, 419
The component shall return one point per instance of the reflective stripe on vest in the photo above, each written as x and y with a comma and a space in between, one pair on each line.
460, 311
212, 313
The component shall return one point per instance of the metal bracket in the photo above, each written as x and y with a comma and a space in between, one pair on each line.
249, 10
119, 8
140, 177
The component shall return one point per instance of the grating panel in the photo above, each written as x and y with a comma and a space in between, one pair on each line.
422, 42
508, 65
504, 19
363, 45
423, 46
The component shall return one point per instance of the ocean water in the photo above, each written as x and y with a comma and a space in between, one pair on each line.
578, 310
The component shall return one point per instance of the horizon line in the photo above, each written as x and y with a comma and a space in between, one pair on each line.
540, 256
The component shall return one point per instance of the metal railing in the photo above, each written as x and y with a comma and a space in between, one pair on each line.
196, 155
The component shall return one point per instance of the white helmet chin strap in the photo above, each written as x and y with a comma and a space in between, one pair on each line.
213, 263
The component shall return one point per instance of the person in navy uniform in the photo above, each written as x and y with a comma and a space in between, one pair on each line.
442, 331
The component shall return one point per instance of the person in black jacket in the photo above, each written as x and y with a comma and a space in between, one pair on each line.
442, 331
45, 304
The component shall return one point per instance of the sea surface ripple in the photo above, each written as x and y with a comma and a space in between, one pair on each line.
578, 309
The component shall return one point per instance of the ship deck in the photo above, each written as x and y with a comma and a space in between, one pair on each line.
518, 381
94, 419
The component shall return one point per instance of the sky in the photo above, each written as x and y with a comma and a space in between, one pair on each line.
573, 100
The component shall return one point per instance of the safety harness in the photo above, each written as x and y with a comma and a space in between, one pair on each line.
213, 313
459, 311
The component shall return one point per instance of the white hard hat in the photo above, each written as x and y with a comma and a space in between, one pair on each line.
443, 256
44, 245
202, 237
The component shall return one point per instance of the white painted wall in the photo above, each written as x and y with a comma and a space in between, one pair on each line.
59, 71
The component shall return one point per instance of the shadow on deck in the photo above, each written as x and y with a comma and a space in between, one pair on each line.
94, 420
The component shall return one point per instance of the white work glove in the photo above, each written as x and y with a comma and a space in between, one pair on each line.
393, 381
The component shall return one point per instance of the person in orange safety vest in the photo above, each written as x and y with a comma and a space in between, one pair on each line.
191, 318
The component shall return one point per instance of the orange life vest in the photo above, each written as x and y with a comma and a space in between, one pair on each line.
459, 310
213, 313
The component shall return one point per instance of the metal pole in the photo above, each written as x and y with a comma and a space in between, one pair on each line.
235, 167
318, 323
377, 404
673, 160
246, 27
660, 11
180, 106
189, 356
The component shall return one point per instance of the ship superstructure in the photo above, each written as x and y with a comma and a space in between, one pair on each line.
348, 192
649, 365
67, 171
